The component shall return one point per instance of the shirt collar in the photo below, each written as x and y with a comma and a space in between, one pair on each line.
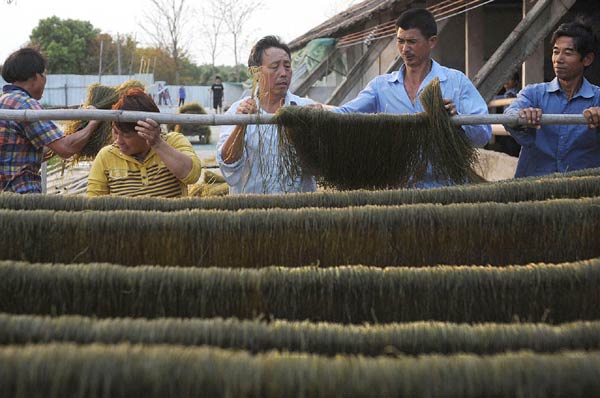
286, 102
436, 71
11, 87
585, 91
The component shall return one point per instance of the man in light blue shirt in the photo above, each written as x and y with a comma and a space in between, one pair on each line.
249, 156
560, 148
399, 91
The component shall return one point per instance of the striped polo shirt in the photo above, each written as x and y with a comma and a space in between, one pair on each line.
114, 173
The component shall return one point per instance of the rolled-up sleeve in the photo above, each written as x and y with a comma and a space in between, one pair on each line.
232, 172
525, 99
472, 103
365, 101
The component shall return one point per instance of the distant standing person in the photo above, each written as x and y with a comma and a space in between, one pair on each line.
181, 96
22, 142
554, 148
217, 90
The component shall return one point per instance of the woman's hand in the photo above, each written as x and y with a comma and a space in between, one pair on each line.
150, 131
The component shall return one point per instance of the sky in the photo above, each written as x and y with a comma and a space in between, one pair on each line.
285, 18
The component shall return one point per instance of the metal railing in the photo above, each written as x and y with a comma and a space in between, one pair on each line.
216, 120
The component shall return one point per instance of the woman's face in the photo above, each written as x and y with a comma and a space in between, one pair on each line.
130, 143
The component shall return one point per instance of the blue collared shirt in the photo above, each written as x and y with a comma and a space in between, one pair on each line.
386, 94
556, 148
259, 170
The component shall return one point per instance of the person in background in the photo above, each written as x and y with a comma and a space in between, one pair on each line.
506, 143
22, 143
398, 92
512, 86
249, 156
142, 161
218, 91
560, 148
181, 96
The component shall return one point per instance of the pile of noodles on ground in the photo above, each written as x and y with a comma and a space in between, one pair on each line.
353, 151
100, 97
193, 129
213, 185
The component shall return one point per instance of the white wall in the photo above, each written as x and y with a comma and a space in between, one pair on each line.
71, 90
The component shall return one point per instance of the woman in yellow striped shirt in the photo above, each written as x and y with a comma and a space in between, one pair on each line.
142, 161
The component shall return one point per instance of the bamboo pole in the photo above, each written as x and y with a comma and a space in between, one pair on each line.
218, 120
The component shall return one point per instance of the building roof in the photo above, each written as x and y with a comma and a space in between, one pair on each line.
347, 20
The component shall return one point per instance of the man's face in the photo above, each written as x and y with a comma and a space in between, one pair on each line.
276, 70
415, 49
37, 90
567, 62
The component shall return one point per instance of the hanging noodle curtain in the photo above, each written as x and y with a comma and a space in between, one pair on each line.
376, 151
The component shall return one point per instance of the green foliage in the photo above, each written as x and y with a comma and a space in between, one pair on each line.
66, 43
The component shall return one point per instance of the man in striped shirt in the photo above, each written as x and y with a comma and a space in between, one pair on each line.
141, 161
22, 143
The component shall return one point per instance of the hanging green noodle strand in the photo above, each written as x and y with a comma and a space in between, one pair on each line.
415, 338
519, 190
553, 293
423, 234
68, 370
100, 97
376, 151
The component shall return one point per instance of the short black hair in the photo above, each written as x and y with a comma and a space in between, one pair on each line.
256, 54
584, 38
418, 18
22, 65
217, 77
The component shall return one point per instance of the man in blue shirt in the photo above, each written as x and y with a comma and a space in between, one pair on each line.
560, 148
399, 91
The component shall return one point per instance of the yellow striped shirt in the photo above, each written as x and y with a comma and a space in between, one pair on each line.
114, 173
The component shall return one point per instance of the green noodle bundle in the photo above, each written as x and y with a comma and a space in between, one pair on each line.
415, 338
202, 131
100, 97
501, 192
424, 234
554, 293
376, 151
67, 370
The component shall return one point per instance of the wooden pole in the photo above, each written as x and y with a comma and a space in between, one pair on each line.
217, 120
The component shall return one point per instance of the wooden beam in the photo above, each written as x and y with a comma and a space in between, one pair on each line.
358, 70
301, 89
523, 41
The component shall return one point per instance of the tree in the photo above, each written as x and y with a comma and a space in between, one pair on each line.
212, 31
167, 25
235, 14
66, 43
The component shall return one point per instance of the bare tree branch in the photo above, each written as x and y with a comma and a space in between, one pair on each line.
212, 31
166, 23
236, 14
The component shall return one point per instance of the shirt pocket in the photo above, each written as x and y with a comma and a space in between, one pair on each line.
117, 174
